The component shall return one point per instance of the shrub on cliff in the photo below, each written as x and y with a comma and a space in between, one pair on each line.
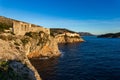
33, 35
7, 73
40, 36
14, 70
25, 40
4, 26
7, 37
56, 31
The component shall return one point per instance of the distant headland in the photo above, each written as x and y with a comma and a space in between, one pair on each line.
85, 34
110, 35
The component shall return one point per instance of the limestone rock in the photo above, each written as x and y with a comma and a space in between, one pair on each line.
15, 70
65, 35
41, 45
10, 51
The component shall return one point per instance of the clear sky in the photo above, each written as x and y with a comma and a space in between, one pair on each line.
95, 16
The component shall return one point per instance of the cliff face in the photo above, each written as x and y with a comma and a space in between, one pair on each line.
10, 52
31, 45
16, 48
41, 45
15, 70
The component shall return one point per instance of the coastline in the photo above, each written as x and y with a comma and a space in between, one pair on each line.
34, 42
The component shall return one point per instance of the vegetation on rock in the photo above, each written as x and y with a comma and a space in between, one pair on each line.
5, 23
85, 34
25, 40
14, 70
41, 36
7, 37
56, 31
110, 35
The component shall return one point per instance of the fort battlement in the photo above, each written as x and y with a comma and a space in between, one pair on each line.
20, 28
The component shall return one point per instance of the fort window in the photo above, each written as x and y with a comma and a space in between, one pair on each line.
25, 27
22, 27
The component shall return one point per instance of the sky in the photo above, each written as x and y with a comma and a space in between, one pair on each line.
95, 16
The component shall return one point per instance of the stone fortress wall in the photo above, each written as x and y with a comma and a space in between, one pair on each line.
20, 28
68, 34
68, 37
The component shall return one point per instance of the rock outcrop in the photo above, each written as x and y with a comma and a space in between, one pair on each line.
15, 70
8, 52
41, 45
66, 36
31, 45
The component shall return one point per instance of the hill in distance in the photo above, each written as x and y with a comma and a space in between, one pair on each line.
110, 35
85, 34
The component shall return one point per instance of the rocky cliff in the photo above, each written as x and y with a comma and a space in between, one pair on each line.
15, 51
14, 62
40, 44
31, 45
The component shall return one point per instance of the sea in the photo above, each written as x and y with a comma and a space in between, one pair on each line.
94, 59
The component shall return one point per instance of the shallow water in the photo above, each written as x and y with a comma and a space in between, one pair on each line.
95, 59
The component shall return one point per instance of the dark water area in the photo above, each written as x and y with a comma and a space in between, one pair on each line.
95, 59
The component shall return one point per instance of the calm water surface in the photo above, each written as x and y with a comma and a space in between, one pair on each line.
95, 59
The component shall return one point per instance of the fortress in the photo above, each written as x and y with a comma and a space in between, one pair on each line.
20, 28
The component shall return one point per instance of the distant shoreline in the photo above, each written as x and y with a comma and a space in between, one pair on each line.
110, 35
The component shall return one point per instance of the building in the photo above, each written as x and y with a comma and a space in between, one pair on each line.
20, 28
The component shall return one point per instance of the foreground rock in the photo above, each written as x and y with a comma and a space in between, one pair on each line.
8, 52
110, 35
14, 70
31, 45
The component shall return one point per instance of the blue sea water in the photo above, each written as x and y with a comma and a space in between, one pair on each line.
94, 59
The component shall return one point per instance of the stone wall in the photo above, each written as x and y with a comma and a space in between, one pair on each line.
20, 28
72, 34
35, 28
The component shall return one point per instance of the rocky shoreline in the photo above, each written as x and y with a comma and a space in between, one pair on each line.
16, 50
